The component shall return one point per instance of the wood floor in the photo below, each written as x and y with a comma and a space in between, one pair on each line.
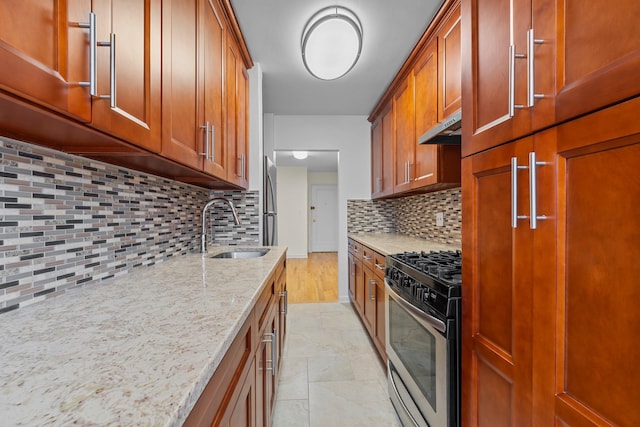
314, 279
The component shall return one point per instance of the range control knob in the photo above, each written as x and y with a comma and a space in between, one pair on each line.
433, 296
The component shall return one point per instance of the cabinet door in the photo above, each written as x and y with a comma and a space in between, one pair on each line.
376, 158
211, 90
243, 413
243, 126
44, 54
449, 80
283, 304
352, 278
359, 285
587, 272
265, 356
132, 110
380, 335
388, 151
497, 307
261, 375
382, 154
597, 49
182, 137
494, 73
236, 120
426, 114
369, 317
403, 110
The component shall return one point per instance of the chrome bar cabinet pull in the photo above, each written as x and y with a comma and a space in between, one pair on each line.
371, 284
531, 92
91, 25
285, 294
207, 132
272, 338
514, 192
533, 191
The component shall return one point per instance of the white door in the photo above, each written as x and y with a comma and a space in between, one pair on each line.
324, 218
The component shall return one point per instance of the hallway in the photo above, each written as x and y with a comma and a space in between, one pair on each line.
331, 373
313, 279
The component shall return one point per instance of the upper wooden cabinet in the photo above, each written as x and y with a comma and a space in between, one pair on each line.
127, 104
161, 87
50, 62
237, 90
449, 78
530, 64
382, 154
425, 92
405, 135
193, 48
44, 54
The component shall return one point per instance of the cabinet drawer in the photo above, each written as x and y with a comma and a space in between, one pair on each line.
357, 250
367, 256
265, 301
379, 262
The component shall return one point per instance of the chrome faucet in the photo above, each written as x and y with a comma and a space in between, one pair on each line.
203, 247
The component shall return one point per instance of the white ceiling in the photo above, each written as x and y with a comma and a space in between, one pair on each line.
273, 29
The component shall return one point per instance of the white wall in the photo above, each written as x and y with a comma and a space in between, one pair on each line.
322, 178
255, 129
350, 136
292, 210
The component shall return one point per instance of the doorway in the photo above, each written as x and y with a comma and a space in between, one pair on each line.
312, 265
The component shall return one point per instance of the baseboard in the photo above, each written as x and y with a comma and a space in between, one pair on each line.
290, 255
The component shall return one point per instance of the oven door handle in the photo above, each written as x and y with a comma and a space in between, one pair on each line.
395, 390
433, 321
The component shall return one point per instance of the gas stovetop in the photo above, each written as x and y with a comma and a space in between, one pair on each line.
445, 266
430, 280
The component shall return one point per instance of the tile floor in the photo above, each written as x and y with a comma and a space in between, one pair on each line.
331, 375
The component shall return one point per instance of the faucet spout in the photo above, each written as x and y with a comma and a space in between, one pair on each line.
236, 219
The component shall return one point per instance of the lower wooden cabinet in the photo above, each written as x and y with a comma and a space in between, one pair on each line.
367, 292
242, 391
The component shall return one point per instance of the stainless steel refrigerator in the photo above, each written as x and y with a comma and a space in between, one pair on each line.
270, 212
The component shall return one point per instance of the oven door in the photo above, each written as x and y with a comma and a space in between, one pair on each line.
417, 368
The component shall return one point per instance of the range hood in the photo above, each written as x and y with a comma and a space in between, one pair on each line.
447, 132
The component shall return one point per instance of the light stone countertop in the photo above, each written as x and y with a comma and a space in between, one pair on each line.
136, 351
393, 243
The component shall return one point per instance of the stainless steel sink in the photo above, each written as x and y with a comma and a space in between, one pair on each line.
241, 253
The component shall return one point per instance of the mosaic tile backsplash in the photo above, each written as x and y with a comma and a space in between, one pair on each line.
225, 231
412, 215
67, 221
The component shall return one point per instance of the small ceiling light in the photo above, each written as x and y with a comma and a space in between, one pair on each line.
300, 155
331, 42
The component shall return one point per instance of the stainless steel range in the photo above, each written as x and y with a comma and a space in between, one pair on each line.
423, 336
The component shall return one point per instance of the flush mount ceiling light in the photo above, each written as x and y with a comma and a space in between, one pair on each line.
300, 155
331, 42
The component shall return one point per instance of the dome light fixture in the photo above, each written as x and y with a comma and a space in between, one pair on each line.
300, 155
331, 42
